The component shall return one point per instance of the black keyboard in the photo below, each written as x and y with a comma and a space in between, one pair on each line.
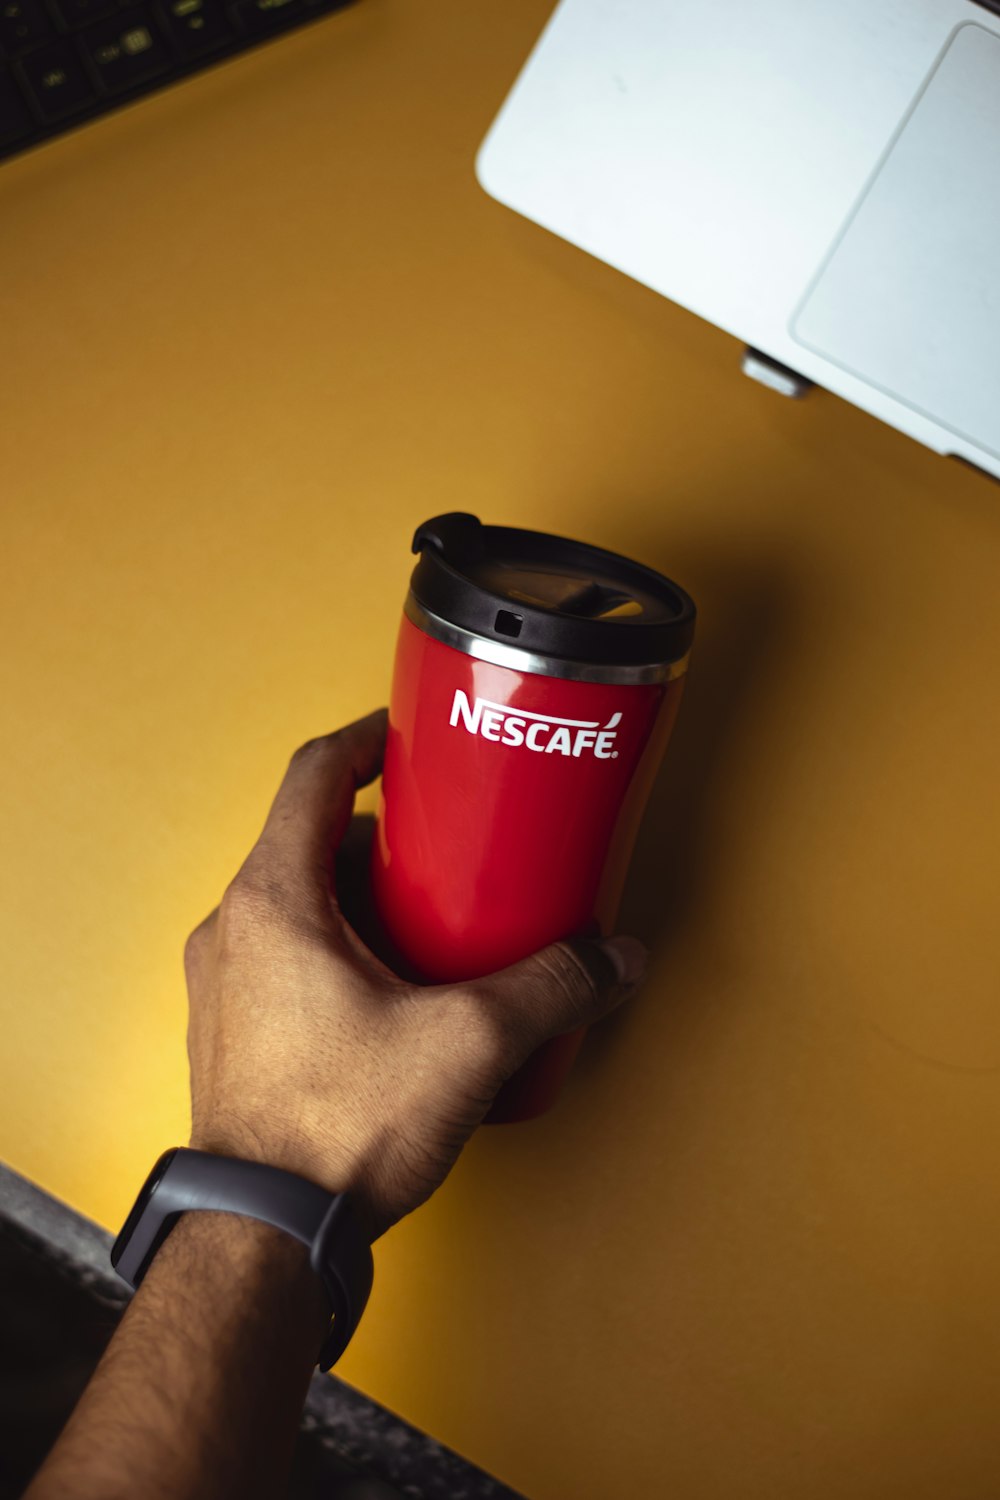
66, 61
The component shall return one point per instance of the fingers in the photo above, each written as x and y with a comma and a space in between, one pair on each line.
313, 807
564, 986
352, 882
353, 863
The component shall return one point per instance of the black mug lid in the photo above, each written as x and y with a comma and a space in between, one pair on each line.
549, 595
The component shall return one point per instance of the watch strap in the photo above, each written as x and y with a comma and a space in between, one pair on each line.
184, 1180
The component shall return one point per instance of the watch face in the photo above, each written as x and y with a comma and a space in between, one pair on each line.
139, 1207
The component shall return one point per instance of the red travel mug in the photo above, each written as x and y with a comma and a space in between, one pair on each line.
536, 683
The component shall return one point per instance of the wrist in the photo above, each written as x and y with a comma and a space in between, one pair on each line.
329, 1165
188, 1181
255, 1255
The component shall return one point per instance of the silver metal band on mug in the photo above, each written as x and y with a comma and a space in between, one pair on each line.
519, 660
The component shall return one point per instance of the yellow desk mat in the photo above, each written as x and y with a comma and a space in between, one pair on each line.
254, 330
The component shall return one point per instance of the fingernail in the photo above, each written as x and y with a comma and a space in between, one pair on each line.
629, 957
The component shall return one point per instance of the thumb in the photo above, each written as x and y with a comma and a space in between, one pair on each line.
566, 985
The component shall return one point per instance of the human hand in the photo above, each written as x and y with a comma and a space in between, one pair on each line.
308, 1053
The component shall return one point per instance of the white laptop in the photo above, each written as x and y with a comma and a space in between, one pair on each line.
820, 178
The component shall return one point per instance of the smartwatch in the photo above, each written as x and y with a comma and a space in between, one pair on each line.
326, 1223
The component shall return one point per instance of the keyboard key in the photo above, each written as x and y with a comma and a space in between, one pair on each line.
23, 23
76, 13
196, 26
57, 80
63, 61
125, 49
258, 17
15, 116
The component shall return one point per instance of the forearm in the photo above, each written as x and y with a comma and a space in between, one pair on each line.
200, 1391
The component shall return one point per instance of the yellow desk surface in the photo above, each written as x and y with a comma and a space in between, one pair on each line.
255, 329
